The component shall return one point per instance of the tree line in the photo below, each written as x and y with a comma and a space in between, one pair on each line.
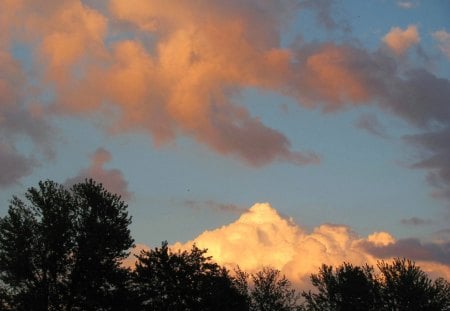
61, 249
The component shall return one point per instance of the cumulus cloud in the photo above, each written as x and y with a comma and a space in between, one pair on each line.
443, 39
261, 237
399, 41
112, 179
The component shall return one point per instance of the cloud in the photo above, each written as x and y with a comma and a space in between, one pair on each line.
261, 237
325, 14
130, 261
215, 206
19, 118
407, 4
370, 123
436, 159
112, 179
187, 80
399, 41
14, 165
443, 39
413, 249
169, 69
415, 221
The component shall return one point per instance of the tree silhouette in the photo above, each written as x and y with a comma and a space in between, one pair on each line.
347, 288
400, 286
102, 241
269, 290
167, 280
35, 244
406, 287
60, 249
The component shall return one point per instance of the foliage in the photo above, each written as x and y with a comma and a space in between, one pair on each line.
406, 287
60, 249
400, 286
167, 280
347, 288
269, 290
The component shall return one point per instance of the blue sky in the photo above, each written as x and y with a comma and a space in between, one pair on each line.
306, 105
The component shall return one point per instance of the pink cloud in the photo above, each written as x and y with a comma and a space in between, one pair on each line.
112, 179
399, 41
169, 69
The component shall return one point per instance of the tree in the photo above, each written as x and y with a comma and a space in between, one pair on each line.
166, 280
406, 287
400, 286
60, 249
347, 287
102, 243
269, 290
35, 243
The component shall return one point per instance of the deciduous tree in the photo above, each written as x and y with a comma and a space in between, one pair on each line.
182, 281
60, 249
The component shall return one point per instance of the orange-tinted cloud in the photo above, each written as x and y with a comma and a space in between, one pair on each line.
261, 237
399, 41
168, 68
112, 179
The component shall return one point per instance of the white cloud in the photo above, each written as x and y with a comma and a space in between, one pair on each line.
261, 237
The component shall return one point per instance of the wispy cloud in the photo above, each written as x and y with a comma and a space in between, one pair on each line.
443, 39
413, 249
415, 221
406, 4
370, 123
215, 206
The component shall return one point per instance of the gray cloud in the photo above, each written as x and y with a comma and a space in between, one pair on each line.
415, 221
435, 148
413, 249
370, 123
18, 119
13, 165
215, 206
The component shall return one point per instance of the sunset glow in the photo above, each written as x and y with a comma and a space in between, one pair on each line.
335, 113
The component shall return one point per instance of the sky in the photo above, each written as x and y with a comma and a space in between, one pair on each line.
313, 131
